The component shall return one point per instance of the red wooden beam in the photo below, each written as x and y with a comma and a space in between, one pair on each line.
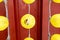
11, 15
45, 20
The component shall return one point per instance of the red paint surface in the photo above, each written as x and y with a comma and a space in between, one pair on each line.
45, 20
12, 25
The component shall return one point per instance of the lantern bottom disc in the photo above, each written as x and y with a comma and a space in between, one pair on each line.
55, 37
28, 1
28, 21
55, 20
1, 1
3, 23
56, 1
28, 38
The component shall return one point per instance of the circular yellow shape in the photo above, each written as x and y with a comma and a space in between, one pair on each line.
1, 1
55, 37
28, 21
55, 20
56, 1
28, 1
3, 23
28, 38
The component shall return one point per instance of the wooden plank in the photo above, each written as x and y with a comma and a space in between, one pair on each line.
45, 20
11, 15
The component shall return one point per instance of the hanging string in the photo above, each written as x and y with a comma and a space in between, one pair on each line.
29, 8
29, 33
29, 13
5, 1
50, 1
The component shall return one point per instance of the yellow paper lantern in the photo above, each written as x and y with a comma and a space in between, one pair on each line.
28, 38
55, 37
56, 1
55, 20
3, 23
1, 1
28, 1
28, 21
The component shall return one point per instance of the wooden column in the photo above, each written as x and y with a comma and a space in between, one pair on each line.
45, 20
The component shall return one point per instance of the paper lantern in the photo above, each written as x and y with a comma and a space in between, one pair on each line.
28, 1
28, 21
55, 20
3, 23
56, 1
55, 37
1, 1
